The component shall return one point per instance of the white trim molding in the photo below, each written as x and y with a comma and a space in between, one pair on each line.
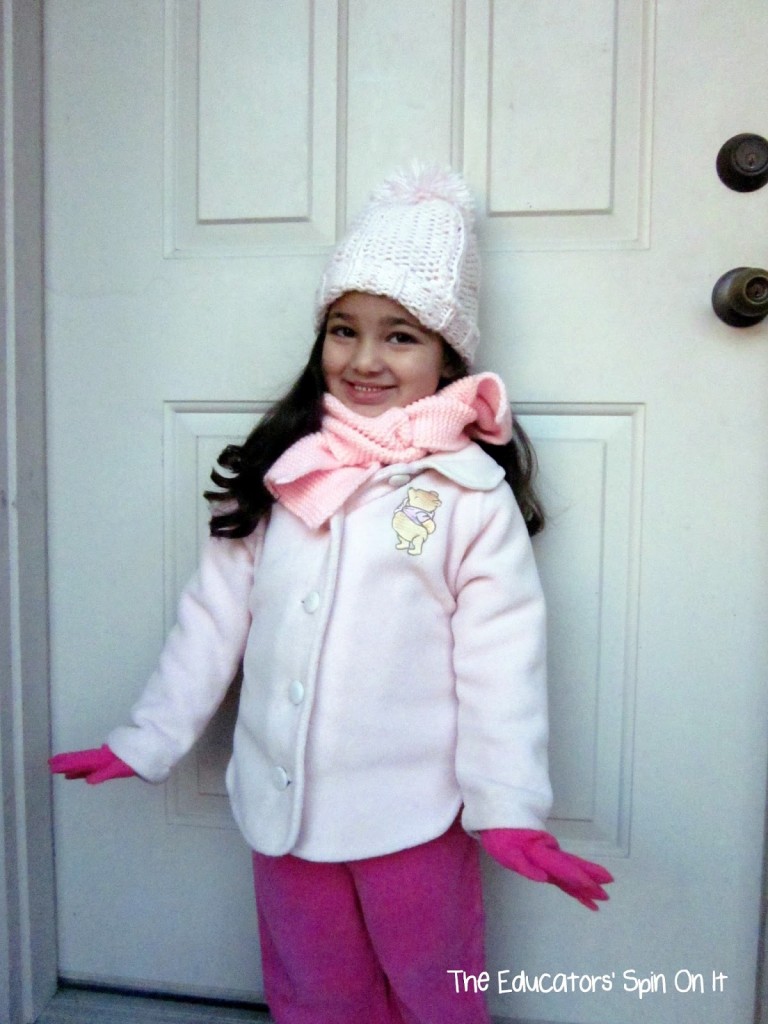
27, 906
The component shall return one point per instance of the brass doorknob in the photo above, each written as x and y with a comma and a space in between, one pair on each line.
740, 297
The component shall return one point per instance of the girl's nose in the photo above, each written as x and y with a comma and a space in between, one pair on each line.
366, 357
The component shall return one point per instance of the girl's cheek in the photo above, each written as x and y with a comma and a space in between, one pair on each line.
329, 352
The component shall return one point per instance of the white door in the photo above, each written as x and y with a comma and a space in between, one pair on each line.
200, 159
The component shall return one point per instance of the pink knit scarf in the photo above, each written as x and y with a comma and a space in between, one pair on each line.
315, 476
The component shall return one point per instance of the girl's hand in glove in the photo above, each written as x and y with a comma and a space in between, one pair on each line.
95, 766
537, 855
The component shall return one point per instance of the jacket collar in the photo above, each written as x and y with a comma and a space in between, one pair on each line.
469, 467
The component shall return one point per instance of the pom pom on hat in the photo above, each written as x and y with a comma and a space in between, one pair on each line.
422, 183
414, 242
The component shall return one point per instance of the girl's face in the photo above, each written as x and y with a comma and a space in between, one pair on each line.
377, 356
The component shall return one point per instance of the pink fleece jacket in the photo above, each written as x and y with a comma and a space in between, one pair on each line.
394, 671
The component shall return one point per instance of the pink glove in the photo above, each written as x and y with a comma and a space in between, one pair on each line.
537, 855
94, 766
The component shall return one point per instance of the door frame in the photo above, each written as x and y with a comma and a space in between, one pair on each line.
28, 954
28, 961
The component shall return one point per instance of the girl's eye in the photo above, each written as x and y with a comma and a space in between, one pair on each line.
401, 338
341, 331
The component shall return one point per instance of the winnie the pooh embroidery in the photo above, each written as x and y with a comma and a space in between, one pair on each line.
414, 519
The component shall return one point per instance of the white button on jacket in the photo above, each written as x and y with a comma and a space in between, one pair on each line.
400, 479
296, 692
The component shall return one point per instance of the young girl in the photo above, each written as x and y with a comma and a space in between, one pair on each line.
370, 566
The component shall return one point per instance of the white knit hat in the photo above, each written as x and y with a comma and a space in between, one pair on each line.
415, 243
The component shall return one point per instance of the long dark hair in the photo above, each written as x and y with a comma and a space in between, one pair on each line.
243, 499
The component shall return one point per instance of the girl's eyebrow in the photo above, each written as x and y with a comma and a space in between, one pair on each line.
399, 321
387, 321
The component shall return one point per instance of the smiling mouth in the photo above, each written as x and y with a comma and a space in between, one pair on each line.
370, 389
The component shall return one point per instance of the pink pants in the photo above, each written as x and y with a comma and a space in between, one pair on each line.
373, 940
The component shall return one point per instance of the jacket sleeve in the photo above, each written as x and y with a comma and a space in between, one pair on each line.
198, 662
499, 631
